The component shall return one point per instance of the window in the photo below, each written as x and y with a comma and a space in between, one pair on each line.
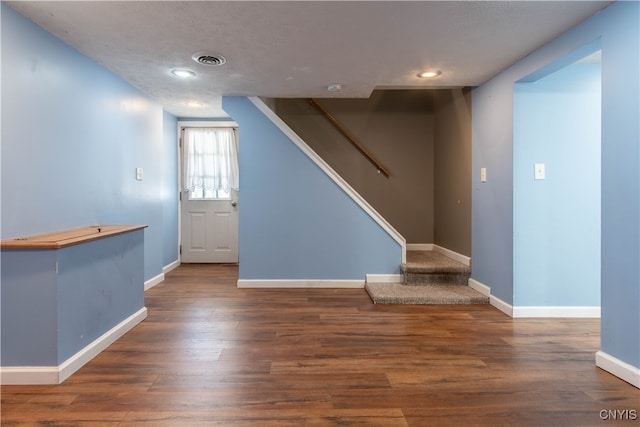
210, 163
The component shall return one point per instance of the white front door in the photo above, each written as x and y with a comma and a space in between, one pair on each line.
209, 200
209, 230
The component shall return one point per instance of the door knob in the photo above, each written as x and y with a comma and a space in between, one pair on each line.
234, 203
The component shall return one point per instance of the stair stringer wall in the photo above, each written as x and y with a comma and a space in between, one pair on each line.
397, 127
321, 230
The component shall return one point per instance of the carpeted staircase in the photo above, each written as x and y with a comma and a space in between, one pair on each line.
429, 278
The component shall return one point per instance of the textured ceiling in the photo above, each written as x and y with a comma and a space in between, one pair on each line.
297, 48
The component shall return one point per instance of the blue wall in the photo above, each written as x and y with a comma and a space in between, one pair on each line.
492, 136
51, 310
556, 231
295, 223
170, 190
72, 135
29, 309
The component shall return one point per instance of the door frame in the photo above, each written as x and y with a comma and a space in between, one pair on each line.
182, 124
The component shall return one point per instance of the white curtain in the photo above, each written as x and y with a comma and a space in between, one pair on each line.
211, 161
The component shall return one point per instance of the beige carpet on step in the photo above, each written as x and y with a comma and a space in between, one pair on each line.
397, 293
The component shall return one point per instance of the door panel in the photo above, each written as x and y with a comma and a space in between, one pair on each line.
197, 231
209, 231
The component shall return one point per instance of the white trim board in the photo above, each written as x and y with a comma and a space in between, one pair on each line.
496, 302
288, 283
384, 278
160, 277
535, 311
332, 174
419, 246
556, 311
25, 375
463, 259
483, 289
153, 281
617, 367
170, 267
504, 307
453, 255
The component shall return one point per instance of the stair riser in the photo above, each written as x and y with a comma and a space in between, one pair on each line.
426, 279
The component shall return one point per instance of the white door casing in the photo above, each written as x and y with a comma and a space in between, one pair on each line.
208, 227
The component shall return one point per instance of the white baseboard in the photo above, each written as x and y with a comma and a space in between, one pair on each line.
167, 268
25, 375
29, 375
483, 289
504, 307
617, 367
419, 246
463, 259
384, 278
534, 311
301, 283
153, 281
557, 311
160, 277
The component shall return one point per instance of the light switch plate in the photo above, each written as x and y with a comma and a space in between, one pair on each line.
483, 174
539, 171
139, 174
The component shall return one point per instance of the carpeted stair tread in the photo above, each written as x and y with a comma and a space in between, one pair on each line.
398, 293
432, 262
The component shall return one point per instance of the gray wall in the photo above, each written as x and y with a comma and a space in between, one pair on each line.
452, 170
425, 144
397, 127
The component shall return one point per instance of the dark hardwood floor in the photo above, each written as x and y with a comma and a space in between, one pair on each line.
210, 354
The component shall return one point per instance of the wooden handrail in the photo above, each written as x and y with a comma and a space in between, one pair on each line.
379, 166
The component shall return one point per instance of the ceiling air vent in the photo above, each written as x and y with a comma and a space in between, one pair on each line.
209, 59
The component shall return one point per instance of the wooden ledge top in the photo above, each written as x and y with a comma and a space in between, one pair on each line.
74, 236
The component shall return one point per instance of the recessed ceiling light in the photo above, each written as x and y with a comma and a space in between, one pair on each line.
429, 74
183, 74
334, 87
194, 104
